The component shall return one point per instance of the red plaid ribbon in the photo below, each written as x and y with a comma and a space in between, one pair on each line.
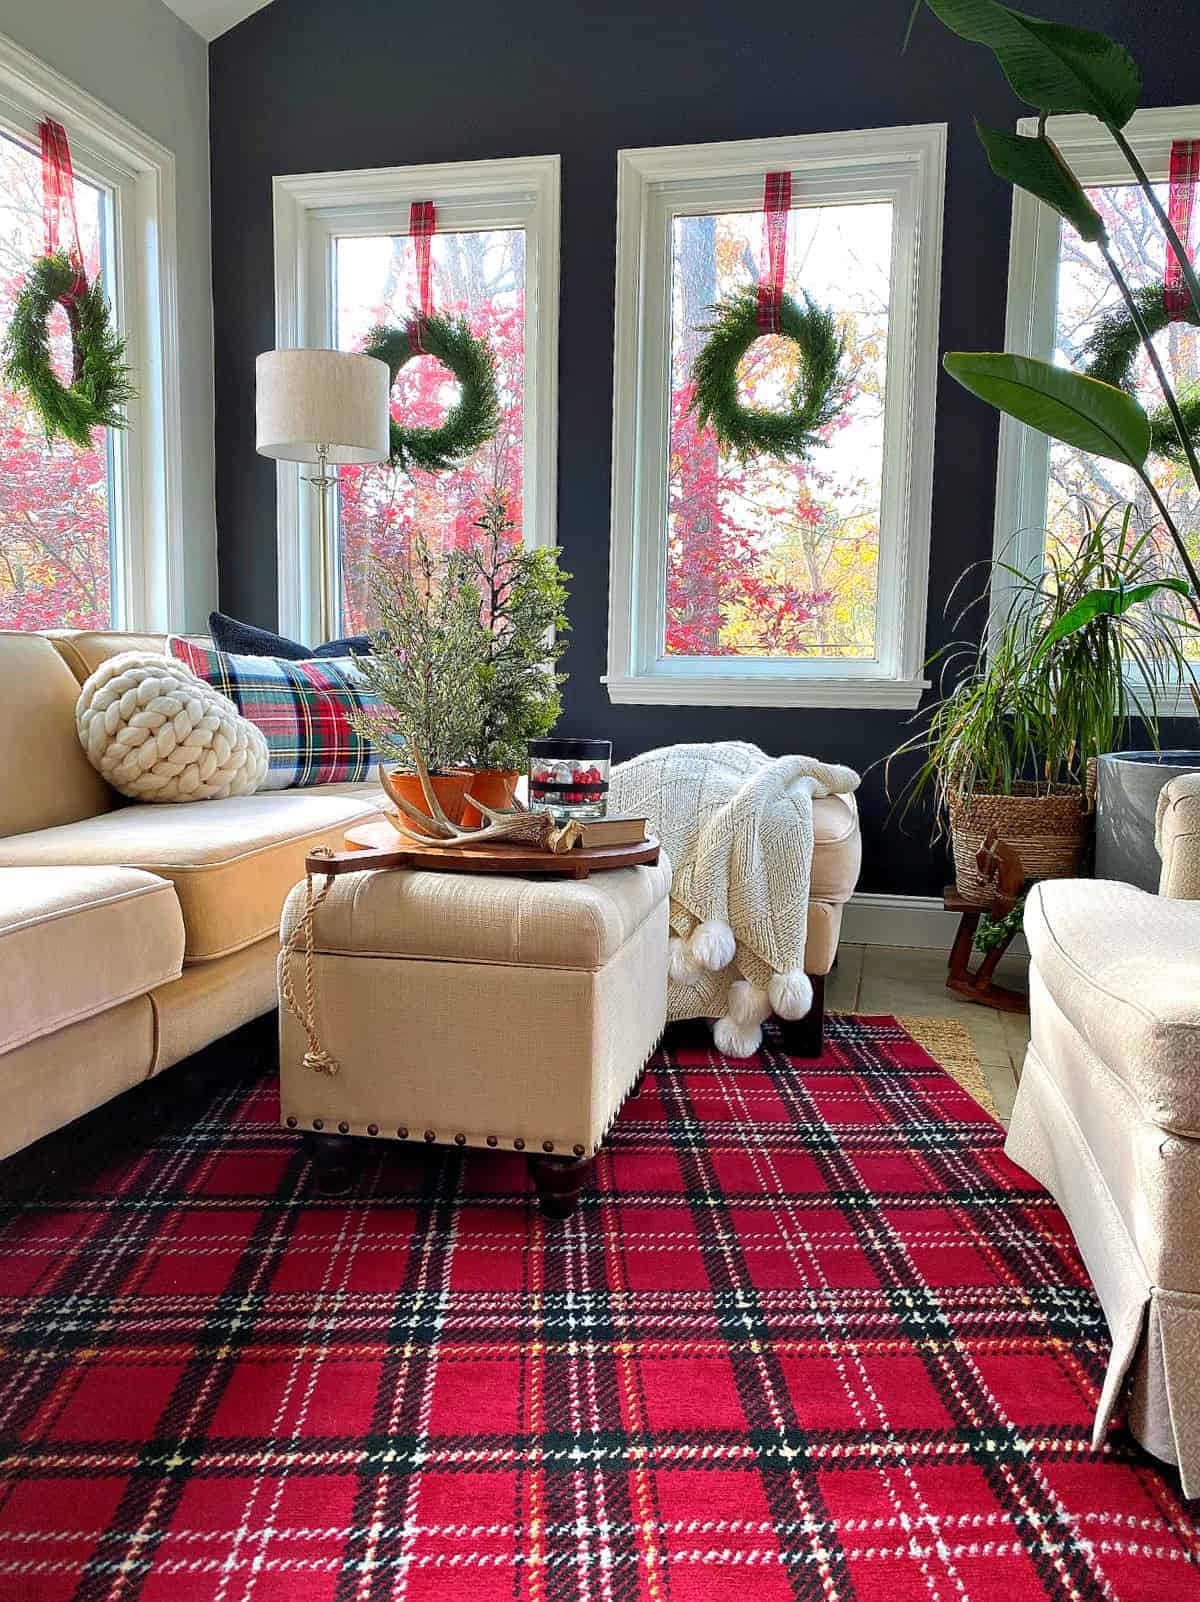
422, 225
777, 202
1185, 171
58, 200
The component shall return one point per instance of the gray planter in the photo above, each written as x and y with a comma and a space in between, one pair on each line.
1127, 786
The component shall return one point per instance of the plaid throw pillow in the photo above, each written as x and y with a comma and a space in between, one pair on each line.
303, 708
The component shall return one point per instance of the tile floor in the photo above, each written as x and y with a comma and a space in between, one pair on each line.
904, 979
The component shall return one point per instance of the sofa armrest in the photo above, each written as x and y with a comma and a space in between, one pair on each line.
1177, 836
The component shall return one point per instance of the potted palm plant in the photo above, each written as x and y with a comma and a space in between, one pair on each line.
1097, 639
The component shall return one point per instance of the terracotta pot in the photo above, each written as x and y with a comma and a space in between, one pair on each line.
450, 789
496, 788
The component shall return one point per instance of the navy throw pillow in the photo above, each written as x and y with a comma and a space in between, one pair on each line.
243, 639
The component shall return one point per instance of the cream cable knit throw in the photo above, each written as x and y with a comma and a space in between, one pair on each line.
157, 732
737, 826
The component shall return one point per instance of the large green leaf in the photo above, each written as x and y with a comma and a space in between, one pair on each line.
1053, 67
1103, 603
1080, 411
1031, 162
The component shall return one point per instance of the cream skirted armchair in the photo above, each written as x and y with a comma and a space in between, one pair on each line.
1107, 1117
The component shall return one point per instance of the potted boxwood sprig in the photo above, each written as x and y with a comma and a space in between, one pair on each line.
1097, 639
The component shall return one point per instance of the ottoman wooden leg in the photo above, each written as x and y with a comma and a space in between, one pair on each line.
559, 1181
336, 1159
805, 1037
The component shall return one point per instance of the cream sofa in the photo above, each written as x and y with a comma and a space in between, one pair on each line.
133, 935
1107, 1117
130, 935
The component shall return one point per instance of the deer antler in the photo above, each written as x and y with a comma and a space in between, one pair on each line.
537, 828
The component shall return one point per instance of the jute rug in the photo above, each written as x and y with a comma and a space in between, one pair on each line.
810, 1336
949, 1043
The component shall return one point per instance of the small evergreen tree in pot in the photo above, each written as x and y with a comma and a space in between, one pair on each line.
464, 663
422, 664
522, 621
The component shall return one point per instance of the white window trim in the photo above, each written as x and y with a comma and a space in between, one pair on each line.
148, 584
1023, 463
905, 165
310, 208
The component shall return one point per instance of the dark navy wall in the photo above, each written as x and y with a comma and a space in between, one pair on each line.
308, 85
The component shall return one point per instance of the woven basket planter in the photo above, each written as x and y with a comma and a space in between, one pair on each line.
1049, 831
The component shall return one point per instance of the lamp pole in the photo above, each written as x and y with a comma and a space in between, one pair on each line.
323, 481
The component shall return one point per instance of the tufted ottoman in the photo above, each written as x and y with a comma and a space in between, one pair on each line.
479, 1010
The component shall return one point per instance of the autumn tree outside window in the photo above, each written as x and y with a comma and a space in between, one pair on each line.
55, 499
775, 582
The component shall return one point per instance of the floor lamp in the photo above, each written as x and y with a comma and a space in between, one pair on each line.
326, 407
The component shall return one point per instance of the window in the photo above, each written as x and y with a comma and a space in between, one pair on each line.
1058, 288
90, 538
775, 582
56, 501
346, 262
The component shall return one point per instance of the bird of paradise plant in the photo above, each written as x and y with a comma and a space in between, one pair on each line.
1061, 70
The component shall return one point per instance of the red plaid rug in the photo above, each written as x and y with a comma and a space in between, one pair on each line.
810, 1336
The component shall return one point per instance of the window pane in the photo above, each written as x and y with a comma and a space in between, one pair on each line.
1085, 292
55, 542
479, 276
779, 559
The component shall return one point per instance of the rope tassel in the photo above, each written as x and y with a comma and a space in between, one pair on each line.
316, 1059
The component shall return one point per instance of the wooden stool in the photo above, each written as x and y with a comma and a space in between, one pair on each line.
998, 862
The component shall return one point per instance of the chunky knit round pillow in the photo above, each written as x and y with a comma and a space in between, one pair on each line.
158, 733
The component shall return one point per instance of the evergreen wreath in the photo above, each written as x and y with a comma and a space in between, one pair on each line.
99, 385
1111, 352
814, 401
474, 417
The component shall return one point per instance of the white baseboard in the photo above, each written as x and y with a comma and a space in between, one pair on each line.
874, 919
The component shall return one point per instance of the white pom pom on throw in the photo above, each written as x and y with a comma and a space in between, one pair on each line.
748, 1005
733, 1039
681, 970
791, 994
157, 732
711, 945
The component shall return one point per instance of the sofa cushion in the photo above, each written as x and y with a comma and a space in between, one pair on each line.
306, 710
48, 779
232, 862
77, 941
247, 639
462, 917
83, 650
1124, 968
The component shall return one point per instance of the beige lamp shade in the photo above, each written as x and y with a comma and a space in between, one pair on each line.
332, 398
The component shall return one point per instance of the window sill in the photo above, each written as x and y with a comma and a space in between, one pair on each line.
746, 690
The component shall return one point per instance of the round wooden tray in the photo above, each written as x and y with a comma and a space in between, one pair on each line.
377, 845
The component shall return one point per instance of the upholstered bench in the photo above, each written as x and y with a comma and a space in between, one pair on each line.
478, 1010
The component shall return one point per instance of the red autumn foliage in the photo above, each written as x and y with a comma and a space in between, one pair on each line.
54, 526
